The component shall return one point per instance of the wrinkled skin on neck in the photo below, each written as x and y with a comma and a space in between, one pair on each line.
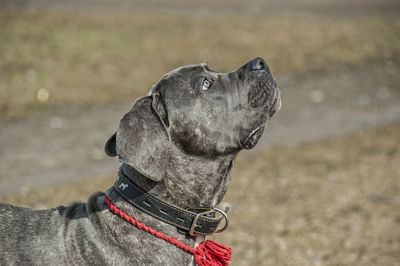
207, 126
193, 182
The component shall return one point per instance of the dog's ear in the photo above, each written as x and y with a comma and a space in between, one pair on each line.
110, 148
142, 138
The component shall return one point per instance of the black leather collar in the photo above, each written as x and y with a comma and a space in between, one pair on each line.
192, 220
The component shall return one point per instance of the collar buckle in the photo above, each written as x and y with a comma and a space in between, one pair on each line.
196, 218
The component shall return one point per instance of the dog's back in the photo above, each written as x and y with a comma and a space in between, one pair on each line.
46, 237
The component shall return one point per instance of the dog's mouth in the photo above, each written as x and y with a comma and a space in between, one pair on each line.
272, 106
253, 138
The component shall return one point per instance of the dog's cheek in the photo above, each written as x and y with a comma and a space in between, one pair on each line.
189, 137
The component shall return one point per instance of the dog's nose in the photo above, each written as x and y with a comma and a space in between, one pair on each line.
258, 64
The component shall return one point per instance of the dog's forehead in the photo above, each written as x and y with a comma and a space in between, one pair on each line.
191, 70
186, 73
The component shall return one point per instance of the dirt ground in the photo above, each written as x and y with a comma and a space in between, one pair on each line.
323, 185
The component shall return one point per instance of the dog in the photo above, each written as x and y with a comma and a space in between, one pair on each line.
177, 146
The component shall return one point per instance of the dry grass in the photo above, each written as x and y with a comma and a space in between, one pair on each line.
97, 59
332, 202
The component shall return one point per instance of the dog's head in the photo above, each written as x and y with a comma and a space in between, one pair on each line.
198, 111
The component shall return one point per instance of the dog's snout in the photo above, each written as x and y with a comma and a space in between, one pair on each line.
258, 64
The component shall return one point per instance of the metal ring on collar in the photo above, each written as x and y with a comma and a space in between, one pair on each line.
196, 218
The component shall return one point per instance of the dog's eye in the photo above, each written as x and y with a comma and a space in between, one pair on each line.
206, 85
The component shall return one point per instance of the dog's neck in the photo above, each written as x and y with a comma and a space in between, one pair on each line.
193, 180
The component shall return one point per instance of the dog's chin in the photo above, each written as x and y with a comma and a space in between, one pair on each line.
252, 139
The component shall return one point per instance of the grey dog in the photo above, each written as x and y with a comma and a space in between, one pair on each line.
179, 144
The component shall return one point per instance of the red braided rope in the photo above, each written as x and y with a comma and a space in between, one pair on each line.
208, 253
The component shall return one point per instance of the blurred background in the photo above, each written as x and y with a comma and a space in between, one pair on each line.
323, 185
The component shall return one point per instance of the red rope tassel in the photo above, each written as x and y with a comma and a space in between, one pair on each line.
211, 253
208, 253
